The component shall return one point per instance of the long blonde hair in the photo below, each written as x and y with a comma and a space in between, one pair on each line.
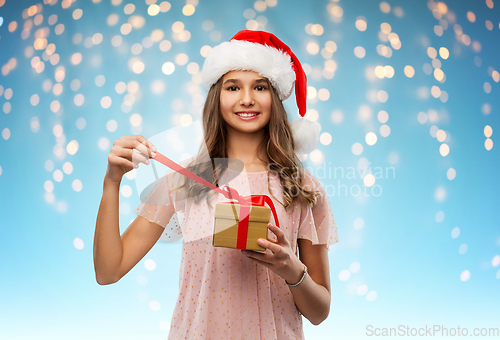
280, 150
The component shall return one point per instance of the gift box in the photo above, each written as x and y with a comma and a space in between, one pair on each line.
231, 232
239, 223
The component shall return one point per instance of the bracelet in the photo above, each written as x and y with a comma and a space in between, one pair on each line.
302, 279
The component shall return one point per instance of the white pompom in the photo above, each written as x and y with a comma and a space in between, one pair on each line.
305, 135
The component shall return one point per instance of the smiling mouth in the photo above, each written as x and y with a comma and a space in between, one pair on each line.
246, 115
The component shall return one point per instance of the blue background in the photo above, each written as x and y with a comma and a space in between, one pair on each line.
409, 261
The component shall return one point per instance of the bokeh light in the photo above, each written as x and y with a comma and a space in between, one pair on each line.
78, 75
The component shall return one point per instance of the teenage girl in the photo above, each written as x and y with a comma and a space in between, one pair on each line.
227, 293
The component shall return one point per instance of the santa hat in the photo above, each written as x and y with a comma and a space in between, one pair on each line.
264, 53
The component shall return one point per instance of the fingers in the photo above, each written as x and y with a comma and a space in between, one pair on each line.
131, 155
280, 234
125, 148
150, 150
139, 143
275, 248
114, 159
262, 258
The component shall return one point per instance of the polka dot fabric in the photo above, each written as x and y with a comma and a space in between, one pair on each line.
222, 293
161, 203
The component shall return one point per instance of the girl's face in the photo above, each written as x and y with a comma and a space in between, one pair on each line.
245, 101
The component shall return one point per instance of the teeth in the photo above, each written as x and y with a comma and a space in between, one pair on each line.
247, 114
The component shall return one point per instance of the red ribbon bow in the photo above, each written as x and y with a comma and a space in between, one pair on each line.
230, 193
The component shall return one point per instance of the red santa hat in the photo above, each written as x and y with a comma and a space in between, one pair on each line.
264, 53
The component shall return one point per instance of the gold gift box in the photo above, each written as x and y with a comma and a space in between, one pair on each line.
226, 225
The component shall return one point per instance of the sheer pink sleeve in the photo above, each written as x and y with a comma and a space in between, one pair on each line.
161, 204
317, 224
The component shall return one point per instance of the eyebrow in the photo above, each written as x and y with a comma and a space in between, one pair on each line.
235, 81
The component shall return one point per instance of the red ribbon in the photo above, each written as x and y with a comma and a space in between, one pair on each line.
230, 193
255, 200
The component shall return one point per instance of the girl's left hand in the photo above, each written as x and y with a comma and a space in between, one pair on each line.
282, 261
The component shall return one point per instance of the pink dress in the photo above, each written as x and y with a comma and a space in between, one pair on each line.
222, 293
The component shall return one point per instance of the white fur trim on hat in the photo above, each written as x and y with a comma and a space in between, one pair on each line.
267, 61
305, 135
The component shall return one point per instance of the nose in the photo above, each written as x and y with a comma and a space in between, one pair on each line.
246, 98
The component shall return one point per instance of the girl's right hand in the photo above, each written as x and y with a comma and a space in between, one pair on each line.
122, 157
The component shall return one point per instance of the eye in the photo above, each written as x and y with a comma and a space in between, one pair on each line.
261, 88
232, 88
